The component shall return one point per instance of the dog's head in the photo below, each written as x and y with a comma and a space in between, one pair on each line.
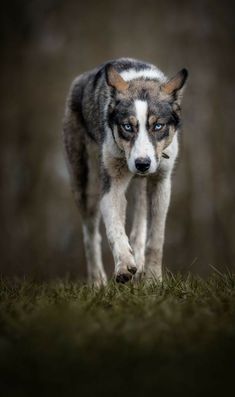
144, 115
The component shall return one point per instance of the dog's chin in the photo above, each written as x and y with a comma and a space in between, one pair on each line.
142, 173
146, 173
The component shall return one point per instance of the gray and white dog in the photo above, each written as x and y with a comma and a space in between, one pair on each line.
121, 122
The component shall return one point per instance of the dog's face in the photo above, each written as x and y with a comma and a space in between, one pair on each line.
144, 116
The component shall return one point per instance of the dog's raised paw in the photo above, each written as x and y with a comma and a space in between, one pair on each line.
123, 277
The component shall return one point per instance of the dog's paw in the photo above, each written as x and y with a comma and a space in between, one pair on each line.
125, 274
153, 273
99, 280
132, 269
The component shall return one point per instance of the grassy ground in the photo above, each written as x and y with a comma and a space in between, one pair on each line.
63, 338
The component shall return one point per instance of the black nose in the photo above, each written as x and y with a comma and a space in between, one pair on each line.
142, 163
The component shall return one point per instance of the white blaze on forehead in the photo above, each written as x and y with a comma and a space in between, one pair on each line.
141, 108
150, 73
142, 147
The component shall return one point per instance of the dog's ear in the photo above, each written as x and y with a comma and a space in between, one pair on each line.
175, 86
114, 79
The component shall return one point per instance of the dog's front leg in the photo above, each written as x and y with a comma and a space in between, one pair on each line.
113, 208
159, 191
139, 226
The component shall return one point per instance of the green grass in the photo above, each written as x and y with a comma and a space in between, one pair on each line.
63, 338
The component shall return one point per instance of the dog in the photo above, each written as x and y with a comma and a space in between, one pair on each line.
121, 123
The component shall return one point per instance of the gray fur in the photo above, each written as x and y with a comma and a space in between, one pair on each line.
98, 147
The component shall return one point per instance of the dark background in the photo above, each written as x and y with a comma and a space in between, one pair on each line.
44, 45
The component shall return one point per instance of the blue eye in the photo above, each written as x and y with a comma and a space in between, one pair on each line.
158, 126
127, 127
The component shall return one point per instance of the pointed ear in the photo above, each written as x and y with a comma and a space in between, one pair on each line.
114, 79
175, 85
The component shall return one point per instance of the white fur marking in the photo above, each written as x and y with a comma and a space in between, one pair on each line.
154, 74
142, 146
113, 209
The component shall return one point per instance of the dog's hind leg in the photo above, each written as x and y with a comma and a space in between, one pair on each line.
91, 217
83, 163
139, 225
92, 242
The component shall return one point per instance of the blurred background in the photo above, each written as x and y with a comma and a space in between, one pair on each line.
44, 45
